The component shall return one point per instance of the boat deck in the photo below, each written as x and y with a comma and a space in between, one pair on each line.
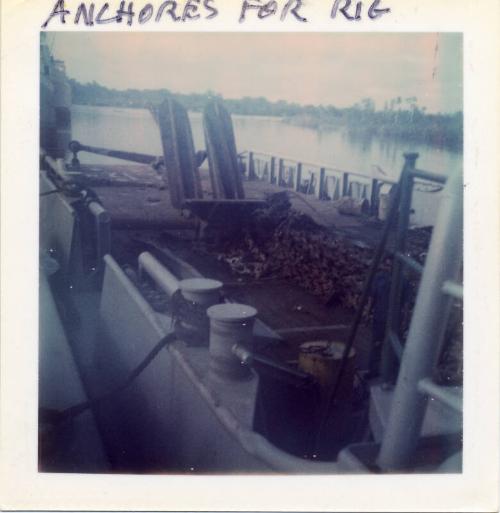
136, 197
143, 219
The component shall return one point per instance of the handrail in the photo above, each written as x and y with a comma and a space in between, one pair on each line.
320, 165
420, 175
453, 289
450, 396
426, 332
428, 176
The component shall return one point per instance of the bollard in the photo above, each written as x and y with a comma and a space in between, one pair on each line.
202, 291
230, 324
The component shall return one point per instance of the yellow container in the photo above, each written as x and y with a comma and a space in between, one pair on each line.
322, 359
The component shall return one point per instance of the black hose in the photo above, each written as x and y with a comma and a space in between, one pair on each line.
53, 416
359, 313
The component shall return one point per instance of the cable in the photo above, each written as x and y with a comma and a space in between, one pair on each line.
194, 330
53, 416
46, 193
359, 313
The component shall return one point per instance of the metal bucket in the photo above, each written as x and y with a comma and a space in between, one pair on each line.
322, 359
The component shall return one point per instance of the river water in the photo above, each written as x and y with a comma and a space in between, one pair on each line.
135, 130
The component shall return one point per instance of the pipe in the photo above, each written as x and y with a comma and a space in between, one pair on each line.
450, 396
140, 158
271, 367
426, 332
453, 289
202, 291
160, 274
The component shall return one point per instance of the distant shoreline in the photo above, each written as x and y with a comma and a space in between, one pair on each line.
141, 107
437, 130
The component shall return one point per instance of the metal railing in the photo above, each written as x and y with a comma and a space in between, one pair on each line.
393, 347
309, 177
323, 181
419, 355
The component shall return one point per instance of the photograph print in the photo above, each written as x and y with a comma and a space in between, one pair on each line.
251, 255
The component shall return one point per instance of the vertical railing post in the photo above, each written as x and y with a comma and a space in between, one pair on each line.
311, 184
281, 168
374, 197
322, 184
345, 184
272, 171
389, 363
251, 167
427, 329
298, 177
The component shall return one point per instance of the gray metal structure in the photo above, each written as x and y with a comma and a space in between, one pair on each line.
437, 289
393, 348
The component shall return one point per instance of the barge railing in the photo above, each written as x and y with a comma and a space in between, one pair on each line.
438, 289
325, 182
393, 348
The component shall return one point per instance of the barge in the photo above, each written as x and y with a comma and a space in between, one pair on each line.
209, 312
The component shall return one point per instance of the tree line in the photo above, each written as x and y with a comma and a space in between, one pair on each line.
401, 118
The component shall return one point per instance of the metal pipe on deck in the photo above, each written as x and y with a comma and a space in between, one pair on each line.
202, 291
158, 272
272, 367
140, 158
426, 333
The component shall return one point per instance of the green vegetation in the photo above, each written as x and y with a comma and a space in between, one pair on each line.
400, 119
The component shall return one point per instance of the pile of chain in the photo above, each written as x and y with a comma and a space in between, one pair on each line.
283, 243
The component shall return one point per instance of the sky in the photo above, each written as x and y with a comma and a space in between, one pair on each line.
307, 68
